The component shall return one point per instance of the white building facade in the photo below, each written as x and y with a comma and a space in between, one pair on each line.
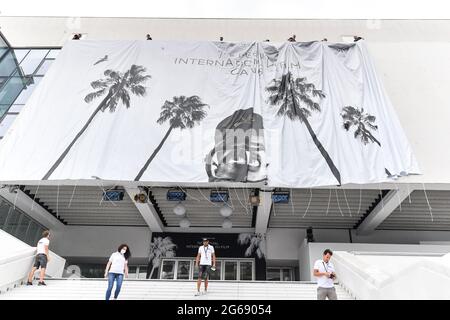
405, 216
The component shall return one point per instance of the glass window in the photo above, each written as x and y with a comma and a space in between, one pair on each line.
3, 51
12, 221
53, 53
16, 108
44, 67
26, 92
3, 43
3, 109
230, 270
11, 90
273, 274
6, 123
8, 64
132, 272
143, 272
167, 271
3, 80
38, 235
22, 227
183, 269
246, 270
215, 275
20, 54
92, 270
30, 238
4, 210
286, 275
33, 60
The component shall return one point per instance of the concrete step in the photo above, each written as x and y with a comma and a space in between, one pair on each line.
94, 289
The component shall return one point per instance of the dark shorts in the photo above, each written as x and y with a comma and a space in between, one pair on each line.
203, 271
41, 261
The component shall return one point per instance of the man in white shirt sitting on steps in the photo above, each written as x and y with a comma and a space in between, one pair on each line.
324, 272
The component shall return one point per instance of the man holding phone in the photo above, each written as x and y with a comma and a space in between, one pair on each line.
324, 272
206, 257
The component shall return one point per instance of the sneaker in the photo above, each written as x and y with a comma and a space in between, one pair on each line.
29, 283
42, 283
198, 293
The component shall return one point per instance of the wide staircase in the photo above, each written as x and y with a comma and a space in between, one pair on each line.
94, 289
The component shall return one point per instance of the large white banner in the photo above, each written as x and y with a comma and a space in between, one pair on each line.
279, 114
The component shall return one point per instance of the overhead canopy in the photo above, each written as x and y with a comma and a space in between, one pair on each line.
153, 112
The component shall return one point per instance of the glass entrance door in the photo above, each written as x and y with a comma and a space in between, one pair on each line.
173, 269
231, 270
184, 269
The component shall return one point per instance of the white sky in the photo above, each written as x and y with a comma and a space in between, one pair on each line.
278, 9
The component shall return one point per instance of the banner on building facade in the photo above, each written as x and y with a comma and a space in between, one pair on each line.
288, 114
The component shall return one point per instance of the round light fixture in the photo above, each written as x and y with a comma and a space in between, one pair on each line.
227, 224
226, 211
179, 210
185, 223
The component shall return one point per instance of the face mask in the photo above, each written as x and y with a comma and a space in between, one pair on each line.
123, 251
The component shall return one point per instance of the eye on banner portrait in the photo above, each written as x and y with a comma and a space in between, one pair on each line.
294, 114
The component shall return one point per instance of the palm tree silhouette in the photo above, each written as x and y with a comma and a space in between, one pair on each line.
117, 87
159, 248
364, 123
296, 100
256, 244
182, 112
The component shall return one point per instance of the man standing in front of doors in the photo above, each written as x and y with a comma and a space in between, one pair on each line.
206, 257
324, 272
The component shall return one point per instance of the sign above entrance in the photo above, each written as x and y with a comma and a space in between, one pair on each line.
294, 114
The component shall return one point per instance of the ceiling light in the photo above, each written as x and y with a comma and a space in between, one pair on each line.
185, 223
227, 224
226, 211
179, 210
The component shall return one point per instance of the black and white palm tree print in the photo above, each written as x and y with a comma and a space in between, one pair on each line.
256, 244
364, 124
297, 99
160, 248
182, 112
117, 86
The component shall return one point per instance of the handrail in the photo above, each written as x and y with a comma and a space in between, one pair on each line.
18, 255
404, 254
373, 281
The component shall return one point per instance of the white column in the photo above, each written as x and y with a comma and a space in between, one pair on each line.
147, 211
383, 209
263, 212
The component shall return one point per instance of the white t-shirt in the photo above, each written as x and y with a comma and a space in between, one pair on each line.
40, 248
118, 263
206, 254
323, 281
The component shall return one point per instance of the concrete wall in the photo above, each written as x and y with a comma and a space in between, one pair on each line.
314, 251
289, 244
376, 276
282, 243
100, 241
